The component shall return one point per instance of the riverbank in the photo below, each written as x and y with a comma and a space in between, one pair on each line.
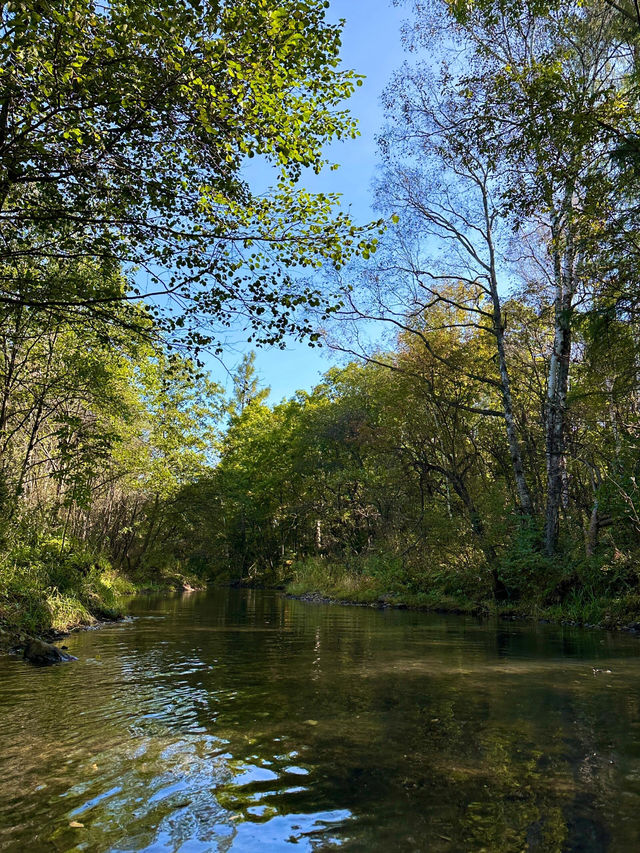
320, 583
35, 602
48, 592
15, 634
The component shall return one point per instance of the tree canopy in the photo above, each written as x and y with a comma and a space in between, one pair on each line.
124, 130
484, 448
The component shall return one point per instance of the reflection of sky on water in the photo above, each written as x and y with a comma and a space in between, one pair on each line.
170, 790
244, 721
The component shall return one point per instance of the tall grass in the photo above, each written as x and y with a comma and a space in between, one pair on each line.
50, 586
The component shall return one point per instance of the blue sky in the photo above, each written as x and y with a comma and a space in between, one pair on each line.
371, 46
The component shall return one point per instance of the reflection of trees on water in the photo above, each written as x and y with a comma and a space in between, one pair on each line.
423, 734
380, 730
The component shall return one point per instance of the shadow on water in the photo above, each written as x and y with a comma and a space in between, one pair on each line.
240, 720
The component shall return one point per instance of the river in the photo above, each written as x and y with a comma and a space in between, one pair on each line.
244, 721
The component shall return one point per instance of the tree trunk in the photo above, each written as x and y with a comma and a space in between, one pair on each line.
148, 540
515, 454
593, 531
558, 383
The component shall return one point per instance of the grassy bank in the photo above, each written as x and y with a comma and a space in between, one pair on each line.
50, 588
381, 581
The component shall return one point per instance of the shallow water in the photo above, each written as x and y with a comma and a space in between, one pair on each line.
243, 721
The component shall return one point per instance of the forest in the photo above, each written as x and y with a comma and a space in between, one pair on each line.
476, 445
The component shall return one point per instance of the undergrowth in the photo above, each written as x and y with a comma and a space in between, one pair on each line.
602, 590
51, 586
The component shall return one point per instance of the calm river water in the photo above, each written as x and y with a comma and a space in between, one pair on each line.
243, 721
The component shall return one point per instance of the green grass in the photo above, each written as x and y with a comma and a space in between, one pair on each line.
333, 581
385, 583
46, 587
381, 580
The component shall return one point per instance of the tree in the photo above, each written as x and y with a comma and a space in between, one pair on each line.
124, 130
441, 187
523, 116
246, 385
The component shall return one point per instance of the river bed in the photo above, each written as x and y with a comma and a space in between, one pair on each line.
245, 721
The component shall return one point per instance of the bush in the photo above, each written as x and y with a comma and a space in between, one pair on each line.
332, 579
525, 571
428, 578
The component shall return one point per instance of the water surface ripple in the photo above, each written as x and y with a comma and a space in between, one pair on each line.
243, 721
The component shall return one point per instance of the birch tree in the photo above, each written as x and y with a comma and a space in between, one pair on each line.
448, 243
533, 98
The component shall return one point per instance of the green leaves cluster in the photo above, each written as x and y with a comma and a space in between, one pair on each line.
124, 130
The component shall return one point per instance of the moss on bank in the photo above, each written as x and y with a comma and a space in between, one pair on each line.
52, 587
384, 582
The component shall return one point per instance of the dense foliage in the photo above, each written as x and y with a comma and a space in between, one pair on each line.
124, 132
129, 234
483, 447
490, 449
388, 478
